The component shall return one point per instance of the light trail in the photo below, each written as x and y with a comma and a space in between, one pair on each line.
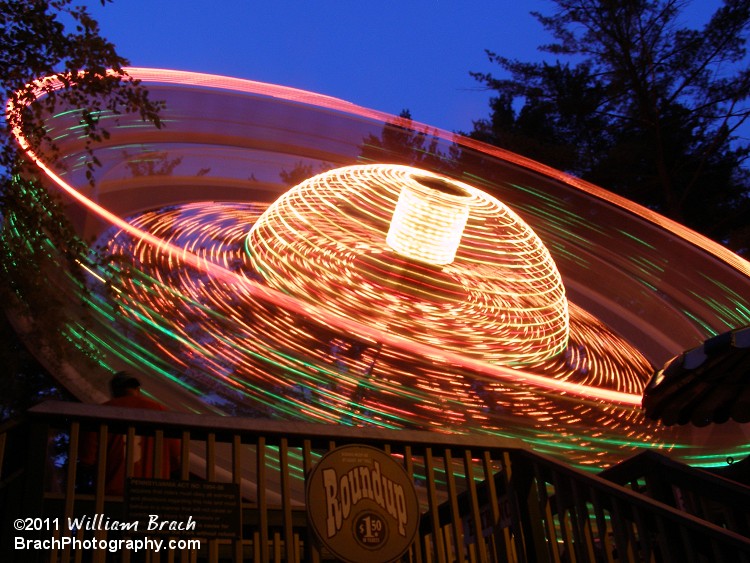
312, 371
265, 335
501, 300
304, 307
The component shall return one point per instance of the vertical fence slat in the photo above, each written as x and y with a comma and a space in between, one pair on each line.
185, 455
526, 523
456, 525
623, 531
565, 519
262, 500
312, 553
237, 543
409, 466
213, 544
474, 507
286, 501
437, 531
158, 454
98, 556
498, 538
603, 528
465, 504
130, 445
583, 521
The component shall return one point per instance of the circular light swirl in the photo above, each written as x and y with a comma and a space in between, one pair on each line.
221, 275
501, 299
282, 365
186, 306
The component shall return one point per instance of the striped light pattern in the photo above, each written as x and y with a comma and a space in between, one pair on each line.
429, 220
254, 358
182, 304
501, 298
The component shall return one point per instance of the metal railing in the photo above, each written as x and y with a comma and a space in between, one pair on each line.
481, 499
700, 492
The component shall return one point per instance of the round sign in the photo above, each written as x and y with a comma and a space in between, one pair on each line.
362, 505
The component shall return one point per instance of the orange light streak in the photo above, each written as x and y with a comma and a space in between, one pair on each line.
504, 303
319, 314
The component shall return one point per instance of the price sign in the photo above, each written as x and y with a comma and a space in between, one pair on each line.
362, 505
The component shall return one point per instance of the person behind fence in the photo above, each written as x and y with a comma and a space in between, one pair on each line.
126, 392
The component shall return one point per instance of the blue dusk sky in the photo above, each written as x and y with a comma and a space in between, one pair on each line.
387, 55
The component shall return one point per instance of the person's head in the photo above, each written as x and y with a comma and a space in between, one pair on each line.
123, 384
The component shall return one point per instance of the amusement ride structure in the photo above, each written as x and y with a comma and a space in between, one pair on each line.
276, 253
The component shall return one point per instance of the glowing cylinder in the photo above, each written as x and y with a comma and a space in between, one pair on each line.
429, 220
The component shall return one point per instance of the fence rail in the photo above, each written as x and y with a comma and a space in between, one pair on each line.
481, 499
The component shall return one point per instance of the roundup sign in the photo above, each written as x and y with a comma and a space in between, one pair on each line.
362, 505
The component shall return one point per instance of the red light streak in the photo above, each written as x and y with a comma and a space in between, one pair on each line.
245, 285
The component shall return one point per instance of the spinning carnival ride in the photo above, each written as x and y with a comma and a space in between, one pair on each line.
277, 253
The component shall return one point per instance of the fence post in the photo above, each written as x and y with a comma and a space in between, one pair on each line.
31, 503
528, 522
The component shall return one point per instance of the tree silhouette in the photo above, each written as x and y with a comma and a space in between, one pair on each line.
403, 141
38, 39
645, 107
301, 171
35, 44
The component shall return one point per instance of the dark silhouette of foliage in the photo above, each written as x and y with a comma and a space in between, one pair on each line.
403, 141
39, 39
643, 106
36, 44
157, 163
301, 172
25, 382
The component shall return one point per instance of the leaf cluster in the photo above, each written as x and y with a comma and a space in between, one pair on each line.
403, 141
41, 39
45, 38
637, 102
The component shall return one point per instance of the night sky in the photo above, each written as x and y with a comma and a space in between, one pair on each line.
387, 55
